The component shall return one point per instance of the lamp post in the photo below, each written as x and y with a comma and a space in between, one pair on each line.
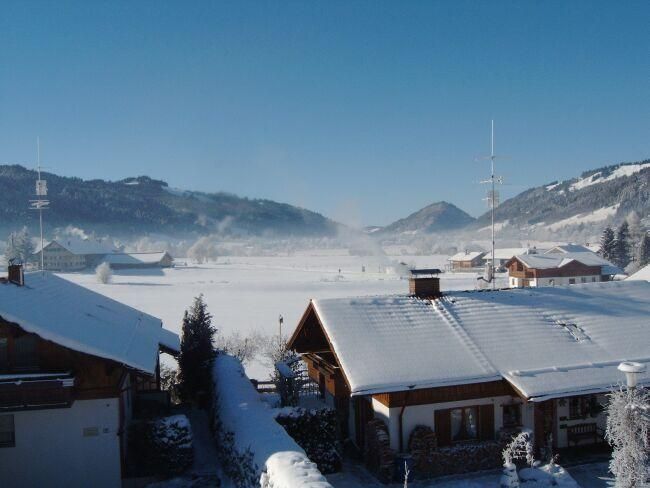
632, 371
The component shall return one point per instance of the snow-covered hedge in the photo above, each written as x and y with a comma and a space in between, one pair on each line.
316, 431
257, 450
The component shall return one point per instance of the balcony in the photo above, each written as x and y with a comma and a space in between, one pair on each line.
35, 391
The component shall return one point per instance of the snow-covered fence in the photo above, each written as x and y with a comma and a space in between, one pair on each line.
254, 445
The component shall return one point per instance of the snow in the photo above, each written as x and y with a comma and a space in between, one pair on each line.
283, 463
134, 258
81, 246
596, 216
506, 253
75, 317
247, 294
557, 260
389, 343
567, 248
465, 256
552, 186
171, 425
623, 170
498, 226
642, 274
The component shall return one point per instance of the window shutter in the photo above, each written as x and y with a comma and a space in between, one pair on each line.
442, 422
486, 422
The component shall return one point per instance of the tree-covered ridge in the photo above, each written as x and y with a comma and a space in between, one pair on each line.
134, 205
557, 201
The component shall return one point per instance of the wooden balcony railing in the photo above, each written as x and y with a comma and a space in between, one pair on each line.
31, 392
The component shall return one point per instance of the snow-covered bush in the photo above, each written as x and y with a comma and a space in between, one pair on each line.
162, 447
104, 273
316, 431
256, 450
628, 432
521, 447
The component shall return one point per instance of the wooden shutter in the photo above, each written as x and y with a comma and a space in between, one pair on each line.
442, 423
486, 422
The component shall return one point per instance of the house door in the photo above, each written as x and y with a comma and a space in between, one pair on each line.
545, 415
363, 413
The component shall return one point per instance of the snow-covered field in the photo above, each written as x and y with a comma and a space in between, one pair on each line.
249, 293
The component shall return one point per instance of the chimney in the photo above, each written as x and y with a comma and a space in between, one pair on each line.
424, 283
15, 274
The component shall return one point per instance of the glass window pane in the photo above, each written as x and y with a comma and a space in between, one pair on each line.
456, 424
471, 428
25, 348
7, 434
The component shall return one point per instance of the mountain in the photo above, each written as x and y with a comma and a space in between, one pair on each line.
439, 216
139, 205
596, 197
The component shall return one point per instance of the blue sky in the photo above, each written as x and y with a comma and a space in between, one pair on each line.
364, 111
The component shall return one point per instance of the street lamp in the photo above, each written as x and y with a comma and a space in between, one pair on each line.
632, 371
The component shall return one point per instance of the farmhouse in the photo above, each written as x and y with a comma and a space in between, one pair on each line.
73, 363
466, 261
72, 254
138, 260
504, 255
559, 268
469, 368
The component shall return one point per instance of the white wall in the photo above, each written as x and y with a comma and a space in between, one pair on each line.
424, 415
51, 449
554, 281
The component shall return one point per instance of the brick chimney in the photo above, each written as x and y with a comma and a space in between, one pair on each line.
15, 274
424, 283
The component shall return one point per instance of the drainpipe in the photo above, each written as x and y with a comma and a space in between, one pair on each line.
401, 416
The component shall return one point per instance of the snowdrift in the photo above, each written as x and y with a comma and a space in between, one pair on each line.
278, 460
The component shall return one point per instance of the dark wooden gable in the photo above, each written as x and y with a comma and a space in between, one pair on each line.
309, 336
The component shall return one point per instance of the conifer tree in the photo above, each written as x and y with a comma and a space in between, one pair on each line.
197, 352
644, 251
622, 246
607, 244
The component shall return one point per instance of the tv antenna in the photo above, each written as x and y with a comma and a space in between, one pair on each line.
41, 203
492, 200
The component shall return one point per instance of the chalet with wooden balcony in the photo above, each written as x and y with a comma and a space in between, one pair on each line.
559, 267
458, 370
466, 261
73, 363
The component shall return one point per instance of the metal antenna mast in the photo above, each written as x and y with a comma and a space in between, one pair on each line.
492, 200
41, 203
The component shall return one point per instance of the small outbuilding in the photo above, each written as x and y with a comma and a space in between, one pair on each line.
137, 260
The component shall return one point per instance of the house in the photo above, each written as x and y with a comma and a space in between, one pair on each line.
504, 255
73, 254
567, 249
73, 363
466, 261
559, 268
474, 367
139, 260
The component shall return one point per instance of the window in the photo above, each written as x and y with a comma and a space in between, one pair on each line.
572, 281
577, 407
593, 279
464, 425
25, 352
7, 433
4, 354
583, 280
512, 415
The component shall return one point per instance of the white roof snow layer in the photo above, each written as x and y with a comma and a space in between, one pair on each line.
134, 257
556, 260
77, 318
548, 341
642, 274
463, 256
389, 343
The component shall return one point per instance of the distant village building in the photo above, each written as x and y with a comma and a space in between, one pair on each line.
73, 364
467, 368
138, 260
557, 267
73, 254
504, 255
466, 261
567, 249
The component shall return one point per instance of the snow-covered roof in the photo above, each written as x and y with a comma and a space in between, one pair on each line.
74, 317
642, 274
568, 248
465, 256
507, 253
557, 260
547, 342
134, 257
81, 246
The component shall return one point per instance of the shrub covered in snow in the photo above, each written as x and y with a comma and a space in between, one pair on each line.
104, 273
257, 451
316, 431
628, 431
163, 446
